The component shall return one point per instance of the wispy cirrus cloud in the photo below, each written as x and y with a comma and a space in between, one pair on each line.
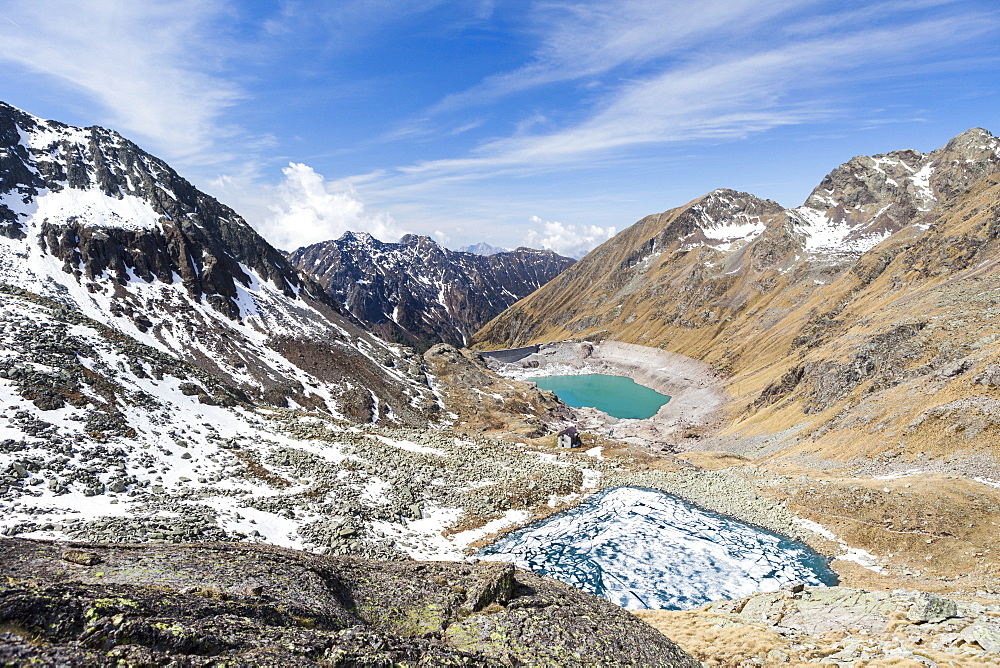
152, 66
580, 40
723, 93
610, 86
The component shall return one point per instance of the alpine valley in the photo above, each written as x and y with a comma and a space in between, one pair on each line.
271, 459
852, 344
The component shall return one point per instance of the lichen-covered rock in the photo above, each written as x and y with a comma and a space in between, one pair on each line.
215, 604
932, 608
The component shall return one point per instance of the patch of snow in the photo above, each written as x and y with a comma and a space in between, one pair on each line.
857, 555
92, 208
903, 474
921, 180
410, 446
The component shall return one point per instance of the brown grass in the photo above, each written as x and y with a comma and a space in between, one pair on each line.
724, 641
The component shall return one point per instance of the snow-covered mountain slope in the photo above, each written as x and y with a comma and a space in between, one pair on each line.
103, 438
418, 293
867, 199
90, 219
165, 374
482, 248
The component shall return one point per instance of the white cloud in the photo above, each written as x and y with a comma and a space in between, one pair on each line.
308, 209
152, 65
570, 240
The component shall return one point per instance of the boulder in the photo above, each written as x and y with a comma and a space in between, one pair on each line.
239, 604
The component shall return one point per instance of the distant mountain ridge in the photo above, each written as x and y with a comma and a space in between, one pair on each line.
482, 248
418, 293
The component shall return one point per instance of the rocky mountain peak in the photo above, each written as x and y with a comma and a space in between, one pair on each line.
723, 205
973, 141
419, 293
361, 238
481, 248
89, 218
418, 240
721, 218
868, 198
67, 182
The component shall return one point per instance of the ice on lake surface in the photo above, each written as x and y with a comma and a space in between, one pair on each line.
642, 548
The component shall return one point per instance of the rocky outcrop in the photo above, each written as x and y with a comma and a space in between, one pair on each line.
486, 403
869, 198
838, 626
203, 604
418, 293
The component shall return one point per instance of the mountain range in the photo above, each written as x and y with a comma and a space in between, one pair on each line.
167, 377
417, 293
857, 326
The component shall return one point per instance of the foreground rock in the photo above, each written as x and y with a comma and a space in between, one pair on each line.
206, 604
838, 625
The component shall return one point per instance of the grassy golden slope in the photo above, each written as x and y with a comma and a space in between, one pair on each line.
890, 351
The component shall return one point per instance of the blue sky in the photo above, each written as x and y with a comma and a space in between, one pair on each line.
549, 123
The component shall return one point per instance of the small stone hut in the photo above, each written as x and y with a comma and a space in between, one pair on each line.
569, 438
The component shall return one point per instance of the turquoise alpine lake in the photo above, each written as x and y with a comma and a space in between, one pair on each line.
617, 396
642, 548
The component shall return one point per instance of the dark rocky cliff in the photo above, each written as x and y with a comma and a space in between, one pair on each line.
418, 293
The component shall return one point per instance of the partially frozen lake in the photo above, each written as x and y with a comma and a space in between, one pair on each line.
642, 548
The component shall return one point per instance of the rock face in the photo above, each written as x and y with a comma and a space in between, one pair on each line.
92, 220
838, 625
200, 604
860, 316
867, 199
418, 293
501, 408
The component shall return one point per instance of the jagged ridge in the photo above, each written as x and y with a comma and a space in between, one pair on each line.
418, 293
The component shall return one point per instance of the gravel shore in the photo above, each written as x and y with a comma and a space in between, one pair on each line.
696, 391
